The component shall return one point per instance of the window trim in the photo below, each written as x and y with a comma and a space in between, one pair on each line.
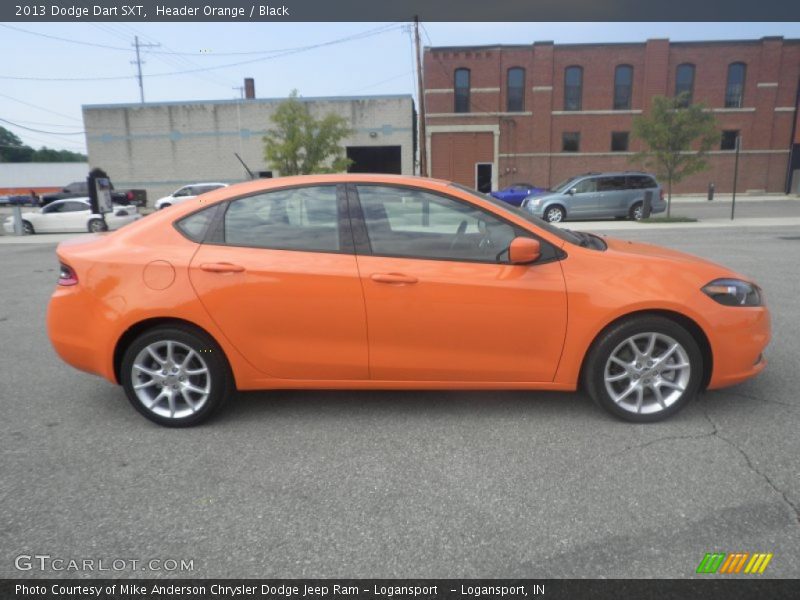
616, 85
508, 89
215, 234
580, 87
363, 246
456, 88
690, 100
728, 83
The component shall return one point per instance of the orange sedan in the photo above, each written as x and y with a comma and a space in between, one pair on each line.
387, 282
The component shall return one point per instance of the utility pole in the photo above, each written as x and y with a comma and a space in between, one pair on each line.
423, 140
138, 62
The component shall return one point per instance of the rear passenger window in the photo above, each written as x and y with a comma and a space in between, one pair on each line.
294, 219
611, 184
195, 225
640, 182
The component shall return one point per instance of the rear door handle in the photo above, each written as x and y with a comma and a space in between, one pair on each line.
221, 267
393, 278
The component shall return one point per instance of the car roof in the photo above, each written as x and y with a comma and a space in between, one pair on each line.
614, 174
63, 200
205, 183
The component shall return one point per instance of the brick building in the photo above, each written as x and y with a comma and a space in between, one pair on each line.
540, 113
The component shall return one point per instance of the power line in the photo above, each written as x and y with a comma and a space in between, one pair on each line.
42, 131
40, 108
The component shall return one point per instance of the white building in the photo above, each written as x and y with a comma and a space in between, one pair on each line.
163, 146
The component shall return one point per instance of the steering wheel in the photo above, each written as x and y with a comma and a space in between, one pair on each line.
462, 228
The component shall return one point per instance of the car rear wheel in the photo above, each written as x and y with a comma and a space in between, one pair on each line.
165, 205
636, 212
555, 214
27, 228
96, 225
176, 376
644, 369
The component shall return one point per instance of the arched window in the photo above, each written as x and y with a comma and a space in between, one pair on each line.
684, 82
623, 87
573, 88
461, 85
734, 91
515, 89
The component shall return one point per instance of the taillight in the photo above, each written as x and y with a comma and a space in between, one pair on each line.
66, 276
129, 195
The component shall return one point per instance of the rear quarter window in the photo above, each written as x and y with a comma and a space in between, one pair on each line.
196, 225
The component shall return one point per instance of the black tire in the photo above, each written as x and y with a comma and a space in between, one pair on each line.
555, 214
220, 381
96, 226
636, 211
615, 339
27, 228
165, 205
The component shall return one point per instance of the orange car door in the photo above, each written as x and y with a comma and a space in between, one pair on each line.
441, 305
278, 276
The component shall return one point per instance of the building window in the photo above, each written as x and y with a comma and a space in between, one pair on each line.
461, 78
684, 83
619, 141
570, 141
734, 91
515, 90
729, 139
573, 88
623, 86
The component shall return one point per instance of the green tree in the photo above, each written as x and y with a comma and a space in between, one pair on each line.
12, 149
670, 131
299, 144
45, 154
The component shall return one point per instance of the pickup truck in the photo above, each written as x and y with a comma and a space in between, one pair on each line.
80, 189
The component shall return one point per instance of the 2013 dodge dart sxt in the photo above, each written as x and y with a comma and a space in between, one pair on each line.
389, 282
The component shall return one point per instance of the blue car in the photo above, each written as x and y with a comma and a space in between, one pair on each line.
516, 193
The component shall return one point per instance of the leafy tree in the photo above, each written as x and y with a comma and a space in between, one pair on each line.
12, 149
670, 131
300, 144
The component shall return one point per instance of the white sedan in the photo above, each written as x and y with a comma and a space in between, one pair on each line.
187, 192
74, 214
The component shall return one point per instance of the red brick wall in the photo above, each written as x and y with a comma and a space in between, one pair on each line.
530, 142
453, 155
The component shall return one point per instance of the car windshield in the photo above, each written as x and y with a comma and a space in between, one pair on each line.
564, 234
563, 185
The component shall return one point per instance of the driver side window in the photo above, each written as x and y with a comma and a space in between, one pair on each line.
586, 186
407, 222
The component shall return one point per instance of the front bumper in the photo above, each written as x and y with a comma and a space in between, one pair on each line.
738, 345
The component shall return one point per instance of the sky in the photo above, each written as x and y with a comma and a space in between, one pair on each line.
350, 59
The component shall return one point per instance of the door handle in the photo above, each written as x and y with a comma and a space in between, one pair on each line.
393, 278
221, 267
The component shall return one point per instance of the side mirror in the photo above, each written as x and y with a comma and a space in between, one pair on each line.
523, 250
572, 191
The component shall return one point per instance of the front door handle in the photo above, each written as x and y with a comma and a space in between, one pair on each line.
393, 278
221, 267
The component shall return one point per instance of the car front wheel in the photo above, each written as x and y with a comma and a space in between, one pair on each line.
176, 376
644, 369
555, 214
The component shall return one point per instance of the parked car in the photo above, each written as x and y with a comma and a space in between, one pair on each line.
74, 214
517, 192
358, 281
187, 192
594, 195
80, 189
16, 200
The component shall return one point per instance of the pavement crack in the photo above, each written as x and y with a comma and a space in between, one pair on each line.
751, 466
758, 398
666, 438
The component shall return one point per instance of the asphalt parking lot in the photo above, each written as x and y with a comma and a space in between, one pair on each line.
399, 484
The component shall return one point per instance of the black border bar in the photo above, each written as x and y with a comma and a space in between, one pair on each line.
397, 10
708, 588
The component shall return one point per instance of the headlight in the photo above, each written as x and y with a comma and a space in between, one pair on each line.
734, 292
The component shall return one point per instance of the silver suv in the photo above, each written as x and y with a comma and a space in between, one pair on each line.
593, 195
